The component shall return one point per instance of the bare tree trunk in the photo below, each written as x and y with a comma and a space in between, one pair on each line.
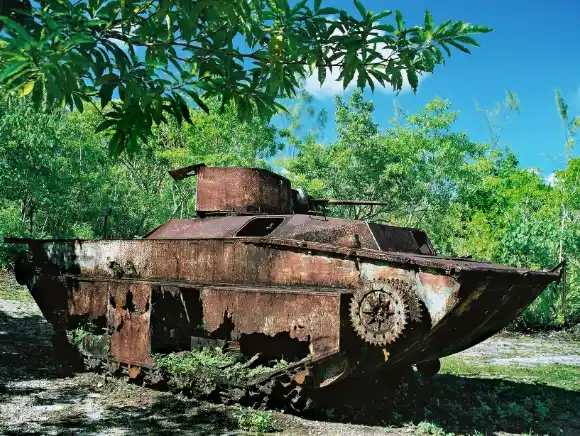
561, 254
561, 258
31, 218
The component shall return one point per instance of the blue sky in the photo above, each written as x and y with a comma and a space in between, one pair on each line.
533, 50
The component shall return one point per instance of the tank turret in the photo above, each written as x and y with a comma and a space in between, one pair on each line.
251, 191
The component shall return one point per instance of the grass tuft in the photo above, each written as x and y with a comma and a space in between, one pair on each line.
255, 421
11, 290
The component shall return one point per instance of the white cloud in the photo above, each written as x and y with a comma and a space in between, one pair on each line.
550, 179
332, 86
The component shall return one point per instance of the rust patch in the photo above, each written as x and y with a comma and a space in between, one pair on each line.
437, 283
308, 316
134, 371
242, 190
129, 315
88, 298
300, 376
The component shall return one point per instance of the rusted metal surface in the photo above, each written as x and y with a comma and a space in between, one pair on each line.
349, 202
129, 312
310, 317
242, 190
210, 227
340, 297
88, 298
336, 231
473, 320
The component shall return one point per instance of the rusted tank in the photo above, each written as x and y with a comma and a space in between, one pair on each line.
263, 271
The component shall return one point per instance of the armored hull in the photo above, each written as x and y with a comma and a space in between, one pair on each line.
333, 298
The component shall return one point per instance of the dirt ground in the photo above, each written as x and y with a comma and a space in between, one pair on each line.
37, 397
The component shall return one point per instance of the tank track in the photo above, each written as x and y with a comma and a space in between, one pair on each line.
279, 389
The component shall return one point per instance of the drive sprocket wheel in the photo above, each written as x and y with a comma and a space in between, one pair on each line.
380, 310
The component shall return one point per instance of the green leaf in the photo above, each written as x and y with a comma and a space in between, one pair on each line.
117, 143
198, 100
317, 5
38, 93
78, 103
361, 79
27, 89
54, 93
386, 28
442, 29
105, 125
361, 9
460, 47
413, 78
106, 93
381, 15
477, 29
184, 108
446, 49
12, 68
371, 83
17, 28
428, 20
107, 79
467, 40
328, 11
400, 21
321, 74
348, 75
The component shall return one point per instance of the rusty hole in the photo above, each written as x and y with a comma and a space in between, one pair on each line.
279, 346
112, 302
226, 328
116, 269
176, 315
129, 305
130, 269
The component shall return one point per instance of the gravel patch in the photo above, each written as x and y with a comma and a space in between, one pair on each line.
39, 397
523, 349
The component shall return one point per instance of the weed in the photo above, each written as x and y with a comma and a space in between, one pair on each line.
255, 421
556, 375
213, 366
429, 428
86, 328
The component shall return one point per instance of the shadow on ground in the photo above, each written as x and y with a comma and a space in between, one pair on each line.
25, 347
457, 404
162, 417
32, 383
29, 374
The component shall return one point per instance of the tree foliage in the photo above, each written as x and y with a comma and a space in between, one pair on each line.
58, 180
159, 56
472, 198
